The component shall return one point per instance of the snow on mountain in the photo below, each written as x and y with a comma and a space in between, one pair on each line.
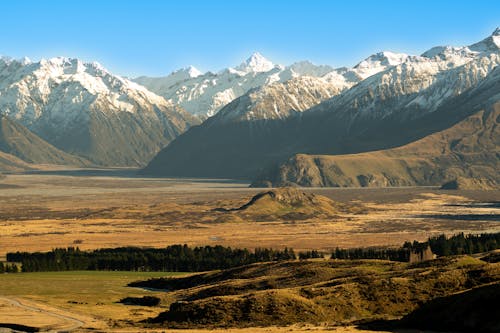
256, 63
204, 95
420, 84
378, 62
175, 77
58, 97
410, 97
278, 100
27, 89
487, 45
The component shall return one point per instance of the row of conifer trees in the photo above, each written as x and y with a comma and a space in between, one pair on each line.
194, 259
173, 258
440, 245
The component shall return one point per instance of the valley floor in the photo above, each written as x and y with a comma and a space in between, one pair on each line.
41, 211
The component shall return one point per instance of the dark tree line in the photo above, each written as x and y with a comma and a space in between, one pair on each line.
175, 258
440, 245
401, 254
182, 258
464, 244
314, 254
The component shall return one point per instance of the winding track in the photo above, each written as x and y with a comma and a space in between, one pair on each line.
75, 323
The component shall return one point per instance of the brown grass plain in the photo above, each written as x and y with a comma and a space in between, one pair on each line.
39, 212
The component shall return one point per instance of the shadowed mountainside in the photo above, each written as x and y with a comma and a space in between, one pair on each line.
22, 147
469, 150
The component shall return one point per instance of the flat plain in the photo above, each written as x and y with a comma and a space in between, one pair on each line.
39, 212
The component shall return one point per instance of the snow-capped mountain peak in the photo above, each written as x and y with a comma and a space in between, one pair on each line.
193, 71
489, 44
186, 73
445, 52
23, 61
256, 63
379, 62
307, 68
64, 100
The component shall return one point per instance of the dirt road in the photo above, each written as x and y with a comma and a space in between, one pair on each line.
63, 322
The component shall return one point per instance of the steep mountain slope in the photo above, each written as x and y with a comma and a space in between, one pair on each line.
83, 109
205, 94
469, 149
246, 122
278, 100
18, 141
404, 103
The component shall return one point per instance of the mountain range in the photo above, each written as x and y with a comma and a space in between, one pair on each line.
412, 98
84, 110
205, 94
393, 119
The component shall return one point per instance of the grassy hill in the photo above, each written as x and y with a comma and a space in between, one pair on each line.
316, 291
287, 204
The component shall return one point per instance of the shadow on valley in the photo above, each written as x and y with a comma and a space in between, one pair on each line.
128, 173
493, 204
120, 173
463, 217
19, 328
474, 310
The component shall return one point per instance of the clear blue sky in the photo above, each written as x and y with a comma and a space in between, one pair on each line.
149, 37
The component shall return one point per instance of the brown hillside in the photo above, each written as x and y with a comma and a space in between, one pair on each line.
462, 183
10, 162
16, 140
325, 291
469, 150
